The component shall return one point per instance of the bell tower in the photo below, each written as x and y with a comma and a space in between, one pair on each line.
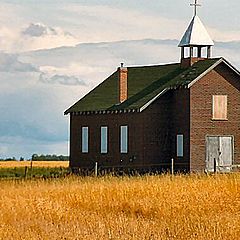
196, 43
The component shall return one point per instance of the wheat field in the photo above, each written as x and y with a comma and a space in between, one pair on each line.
149, 207
45, 164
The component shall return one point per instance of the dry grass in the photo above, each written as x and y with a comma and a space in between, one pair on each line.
152, 207
45, 164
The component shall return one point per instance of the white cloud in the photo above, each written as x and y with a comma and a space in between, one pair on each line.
61, 79
40, 36
39, 30
89, 23
34, 37
102, 22
11, 63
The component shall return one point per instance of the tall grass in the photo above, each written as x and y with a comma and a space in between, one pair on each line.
40, 164
35, 169
150, 207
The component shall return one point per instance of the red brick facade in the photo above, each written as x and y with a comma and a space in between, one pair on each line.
220, 81
123, 84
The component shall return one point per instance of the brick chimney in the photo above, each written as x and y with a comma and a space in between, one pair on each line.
123, 83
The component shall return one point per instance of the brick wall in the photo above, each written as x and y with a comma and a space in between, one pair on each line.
181, 125
149, 137
123, 84
113, 157
220, 81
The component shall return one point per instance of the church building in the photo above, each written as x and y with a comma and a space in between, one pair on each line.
140, 118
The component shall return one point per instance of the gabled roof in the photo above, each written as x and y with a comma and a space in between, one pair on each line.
145, 85
196, 34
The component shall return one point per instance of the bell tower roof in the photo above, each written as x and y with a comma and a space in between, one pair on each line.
194, 40
196, 34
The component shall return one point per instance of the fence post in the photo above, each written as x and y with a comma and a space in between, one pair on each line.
172, 166
96, 169
31, 167
25, 172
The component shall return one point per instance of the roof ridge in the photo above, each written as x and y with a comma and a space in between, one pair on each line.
155, 65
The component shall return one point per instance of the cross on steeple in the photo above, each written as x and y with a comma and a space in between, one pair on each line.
195, 5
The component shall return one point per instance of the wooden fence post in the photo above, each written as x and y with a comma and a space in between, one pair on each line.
172, 166
96, 169
31, 167
25, 172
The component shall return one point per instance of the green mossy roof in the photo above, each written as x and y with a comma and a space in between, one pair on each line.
144, 83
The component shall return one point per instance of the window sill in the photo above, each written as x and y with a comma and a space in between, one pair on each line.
222, 120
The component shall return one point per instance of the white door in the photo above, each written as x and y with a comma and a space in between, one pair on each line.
219, 153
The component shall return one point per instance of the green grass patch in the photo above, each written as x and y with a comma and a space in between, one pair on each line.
35, 172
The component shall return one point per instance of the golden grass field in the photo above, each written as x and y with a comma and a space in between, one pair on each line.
149, 207
45, 164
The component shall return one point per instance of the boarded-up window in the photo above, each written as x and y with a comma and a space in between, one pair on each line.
219, 108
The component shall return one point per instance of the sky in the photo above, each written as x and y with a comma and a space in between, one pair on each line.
52, 52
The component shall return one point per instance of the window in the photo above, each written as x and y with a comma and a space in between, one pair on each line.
104, 139
124, 139
219, 107
84, 139
179, 145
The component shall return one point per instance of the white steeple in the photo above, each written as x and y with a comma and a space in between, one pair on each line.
195, 37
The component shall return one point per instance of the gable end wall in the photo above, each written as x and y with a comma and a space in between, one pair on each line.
220, 81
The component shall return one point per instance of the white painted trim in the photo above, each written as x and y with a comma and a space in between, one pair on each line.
205, 73
222, 60
153, 99
231, 66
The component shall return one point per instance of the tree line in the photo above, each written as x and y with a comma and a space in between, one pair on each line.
41, 157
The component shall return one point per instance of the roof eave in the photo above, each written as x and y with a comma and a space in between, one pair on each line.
153, 99
221, 60
195, 45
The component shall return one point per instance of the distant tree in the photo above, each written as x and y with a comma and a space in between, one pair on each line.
48, 157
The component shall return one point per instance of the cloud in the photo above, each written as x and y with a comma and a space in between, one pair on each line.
34, 36
24, 147
39, 36
61, 79
11, 63
39, 29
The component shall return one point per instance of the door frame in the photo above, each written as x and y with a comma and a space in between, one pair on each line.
219, 135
